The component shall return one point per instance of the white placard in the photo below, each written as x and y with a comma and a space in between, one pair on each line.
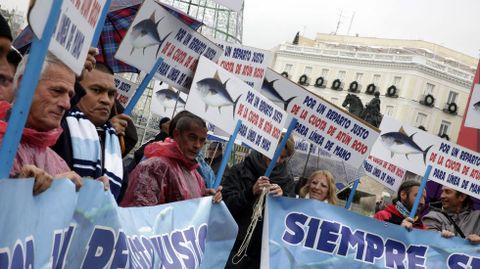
154, 34
247, 63
74, 32
472, 118
389, 175
125, 90
456, 167
164, 99
221, 98
403, 145
323, 124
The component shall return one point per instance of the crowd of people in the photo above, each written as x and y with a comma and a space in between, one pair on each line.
75, 130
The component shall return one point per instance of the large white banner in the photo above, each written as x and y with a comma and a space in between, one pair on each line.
166, 99
473, 111
74, 32
247, 63
325, 125
154, 34
221, 98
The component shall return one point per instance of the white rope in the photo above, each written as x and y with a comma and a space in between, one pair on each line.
256, 215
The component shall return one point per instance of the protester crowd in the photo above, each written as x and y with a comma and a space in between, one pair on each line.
75, 130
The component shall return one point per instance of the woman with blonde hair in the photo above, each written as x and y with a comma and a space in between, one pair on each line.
320, 186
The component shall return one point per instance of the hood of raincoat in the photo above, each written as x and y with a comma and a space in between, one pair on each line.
169, 149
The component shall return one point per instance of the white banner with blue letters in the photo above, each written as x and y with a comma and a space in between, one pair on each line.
301, 233
64, 229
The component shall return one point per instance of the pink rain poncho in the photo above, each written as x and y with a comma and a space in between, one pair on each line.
34, 148
165, 176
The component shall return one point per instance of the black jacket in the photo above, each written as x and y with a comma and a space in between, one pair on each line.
238, 196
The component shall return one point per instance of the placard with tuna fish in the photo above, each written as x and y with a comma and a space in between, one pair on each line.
413, 149
154, 34
166, 99
221, 99
403, 145
246, 63
323, 124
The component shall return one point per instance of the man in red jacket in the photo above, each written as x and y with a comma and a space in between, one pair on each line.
169, 172
398, 212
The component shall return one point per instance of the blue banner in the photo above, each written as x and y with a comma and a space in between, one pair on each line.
64, 229
311, 234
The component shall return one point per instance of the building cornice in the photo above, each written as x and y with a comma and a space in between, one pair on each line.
409, 64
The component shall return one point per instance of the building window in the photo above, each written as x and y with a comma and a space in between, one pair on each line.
452, 97
324, 73
288, 68
389, 110
358, 77
429, 89
421, 119
307, 71
376, 79
444, 127
341, 75
396, 80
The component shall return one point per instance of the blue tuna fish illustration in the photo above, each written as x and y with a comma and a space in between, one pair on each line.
145, 34
168, 98
271, 93
400, 143
214, 93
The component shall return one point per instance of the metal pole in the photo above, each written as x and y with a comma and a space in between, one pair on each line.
420, 192
226, 155
352, 193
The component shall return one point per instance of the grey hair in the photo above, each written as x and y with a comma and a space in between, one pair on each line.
49, 59
186, 123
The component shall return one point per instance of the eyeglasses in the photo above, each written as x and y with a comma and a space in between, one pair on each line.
5, 81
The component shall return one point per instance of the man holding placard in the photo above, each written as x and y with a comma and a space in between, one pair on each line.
455, 217
242, 185
169, 172
398, 212
34, 158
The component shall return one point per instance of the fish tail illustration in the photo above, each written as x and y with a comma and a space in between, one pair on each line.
158, 22
425, 152
287, 102
235, 105
161, 42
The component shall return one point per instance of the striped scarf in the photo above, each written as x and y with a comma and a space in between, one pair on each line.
87, 155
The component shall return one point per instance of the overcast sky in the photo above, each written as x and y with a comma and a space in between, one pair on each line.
452, 23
